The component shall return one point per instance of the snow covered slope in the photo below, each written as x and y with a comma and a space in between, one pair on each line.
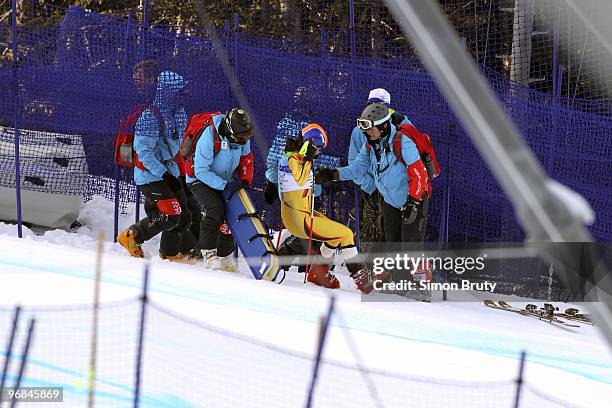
417, 354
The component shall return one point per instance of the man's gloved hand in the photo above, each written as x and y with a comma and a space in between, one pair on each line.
172, 182
325, 174
235, 185
270, 192
410, 210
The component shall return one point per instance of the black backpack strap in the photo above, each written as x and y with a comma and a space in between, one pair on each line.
397, 118
216, 137
396, 145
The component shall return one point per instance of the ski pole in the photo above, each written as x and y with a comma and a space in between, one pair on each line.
308, 266
280, 230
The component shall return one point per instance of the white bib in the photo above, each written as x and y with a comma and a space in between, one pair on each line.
286, 181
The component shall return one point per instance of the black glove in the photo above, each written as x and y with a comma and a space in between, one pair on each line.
292, 145
235, 185
172, 182
311, 151
410, 210
270, 192
324, 175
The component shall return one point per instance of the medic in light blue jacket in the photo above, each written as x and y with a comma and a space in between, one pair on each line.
393, 179
217, 169
358, 139
155, 150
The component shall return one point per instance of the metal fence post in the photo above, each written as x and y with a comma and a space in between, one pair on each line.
145, 25
24, 359
323, 48
228, 43
116, 213
228, 33
353, 44
552, 143
9, 347
16, 119
357, 217
235, 50
330, 202
117, 170
145, 15
143, 314
519, 380
444, 226
559, 86
555, 61
322, 334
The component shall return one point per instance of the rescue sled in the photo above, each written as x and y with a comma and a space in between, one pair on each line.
250, 235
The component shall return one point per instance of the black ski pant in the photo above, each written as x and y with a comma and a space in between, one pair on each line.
190, 238
212, 208
292, 247
396, 231
172, 226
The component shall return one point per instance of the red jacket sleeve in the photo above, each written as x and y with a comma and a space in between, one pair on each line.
245, 168
417, 179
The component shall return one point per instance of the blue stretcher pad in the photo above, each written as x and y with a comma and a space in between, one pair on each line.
250, 235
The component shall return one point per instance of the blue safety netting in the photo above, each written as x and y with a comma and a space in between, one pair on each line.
73, 77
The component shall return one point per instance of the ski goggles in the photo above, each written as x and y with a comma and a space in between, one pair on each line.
242, 136
241, 139
367, 124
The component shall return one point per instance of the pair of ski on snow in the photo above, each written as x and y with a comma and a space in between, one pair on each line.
548, 313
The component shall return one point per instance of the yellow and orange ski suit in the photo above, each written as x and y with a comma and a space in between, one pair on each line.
295, 183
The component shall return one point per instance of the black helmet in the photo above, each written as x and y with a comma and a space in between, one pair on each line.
374, 114
238, 125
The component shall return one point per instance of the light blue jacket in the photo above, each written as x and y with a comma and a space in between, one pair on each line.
389, 175
157, 153
215, 170
358, 139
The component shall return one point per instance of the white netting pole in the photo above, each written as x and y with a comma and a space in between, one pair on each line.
94, 325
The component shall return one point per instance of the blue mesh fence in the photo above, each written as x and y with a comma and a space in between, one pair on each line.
187, 362
60, 352
320, 59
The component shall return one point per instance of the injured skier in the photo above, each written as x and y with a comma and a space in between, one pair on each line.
295, 182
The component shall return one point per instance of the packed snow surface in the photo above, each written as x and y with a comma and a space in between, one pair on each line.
257, 338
